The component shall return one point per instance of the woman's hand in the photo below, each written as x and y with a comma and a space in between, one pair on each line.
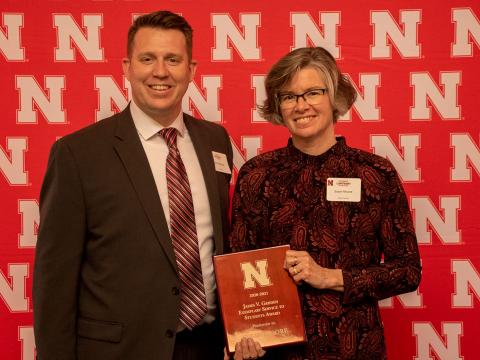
246, 349
302, 268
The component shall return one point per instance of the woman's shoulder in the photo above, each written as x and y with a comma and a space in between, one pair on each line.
266, 160
364, 158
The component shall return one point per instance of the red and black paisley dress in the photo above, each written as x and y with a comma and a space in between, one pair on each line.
280, 198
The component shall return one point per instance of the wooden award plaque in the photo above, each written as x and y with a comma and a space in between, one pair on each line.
258, 298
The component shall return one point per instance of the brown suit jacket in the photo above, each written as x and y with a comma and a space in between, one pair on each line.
105, 279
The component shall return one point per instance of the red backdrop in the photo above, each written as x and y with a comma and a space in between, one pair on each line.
416, 69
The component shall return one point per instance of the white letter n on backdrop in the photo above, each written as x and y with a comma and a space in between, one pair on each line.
245, 43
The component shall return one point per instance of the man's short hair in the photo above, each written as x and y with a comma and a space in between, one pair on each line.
162, 20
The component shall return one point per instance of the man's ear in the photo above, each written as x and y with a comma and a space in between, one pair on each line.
193, 68
126, 67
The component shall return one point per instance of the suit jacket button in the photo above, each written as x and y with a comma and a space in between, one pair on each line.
175, 290
169, 333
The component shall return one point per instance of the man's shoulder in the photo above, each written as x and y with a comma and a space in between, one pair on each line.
193, 123
93, 132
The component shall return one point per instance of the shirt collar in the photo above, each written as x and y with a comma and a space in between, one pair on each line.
147, 127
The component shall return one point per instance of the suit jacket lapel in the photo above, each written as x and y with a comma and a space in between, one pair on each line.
130, 150
205, 158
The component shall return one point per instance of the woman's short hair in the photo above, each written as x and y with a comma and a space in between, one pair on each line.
340, 90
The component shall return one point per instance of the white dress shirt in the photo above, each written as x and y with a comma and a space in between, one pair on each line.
156, 150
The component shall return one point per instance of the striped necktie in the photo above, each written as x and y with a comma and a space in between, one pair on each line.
183, 232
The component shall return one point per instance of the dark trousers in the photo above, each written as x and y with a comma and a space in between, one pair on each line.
204, 342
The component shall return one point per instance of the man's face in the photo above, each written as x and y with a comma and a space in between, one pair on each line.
159, 72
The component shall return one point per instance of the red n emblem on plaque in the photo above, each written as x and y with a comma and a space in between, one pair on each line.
255, 274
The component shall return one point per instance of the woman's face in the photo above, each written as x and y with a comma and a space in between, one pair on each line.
310, 118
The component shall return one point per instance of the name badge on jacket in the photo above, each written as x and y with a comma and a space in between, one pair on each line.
221, 163
344, 189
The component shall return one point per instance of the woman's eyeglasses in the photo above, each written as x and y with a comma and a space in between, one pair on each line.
311, 97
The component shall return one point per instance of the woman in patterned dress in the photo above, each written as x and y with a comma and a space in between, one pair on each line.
342, 210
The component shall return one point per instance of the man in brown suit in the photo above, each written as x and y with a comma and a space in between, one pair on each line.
106, 278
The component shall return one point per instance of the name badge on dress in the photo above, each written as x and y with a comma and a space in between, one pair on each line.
221, 163
344, 189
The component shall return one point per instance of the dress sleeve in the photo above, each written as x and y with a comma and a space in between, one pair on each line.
400, 271
249, 210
